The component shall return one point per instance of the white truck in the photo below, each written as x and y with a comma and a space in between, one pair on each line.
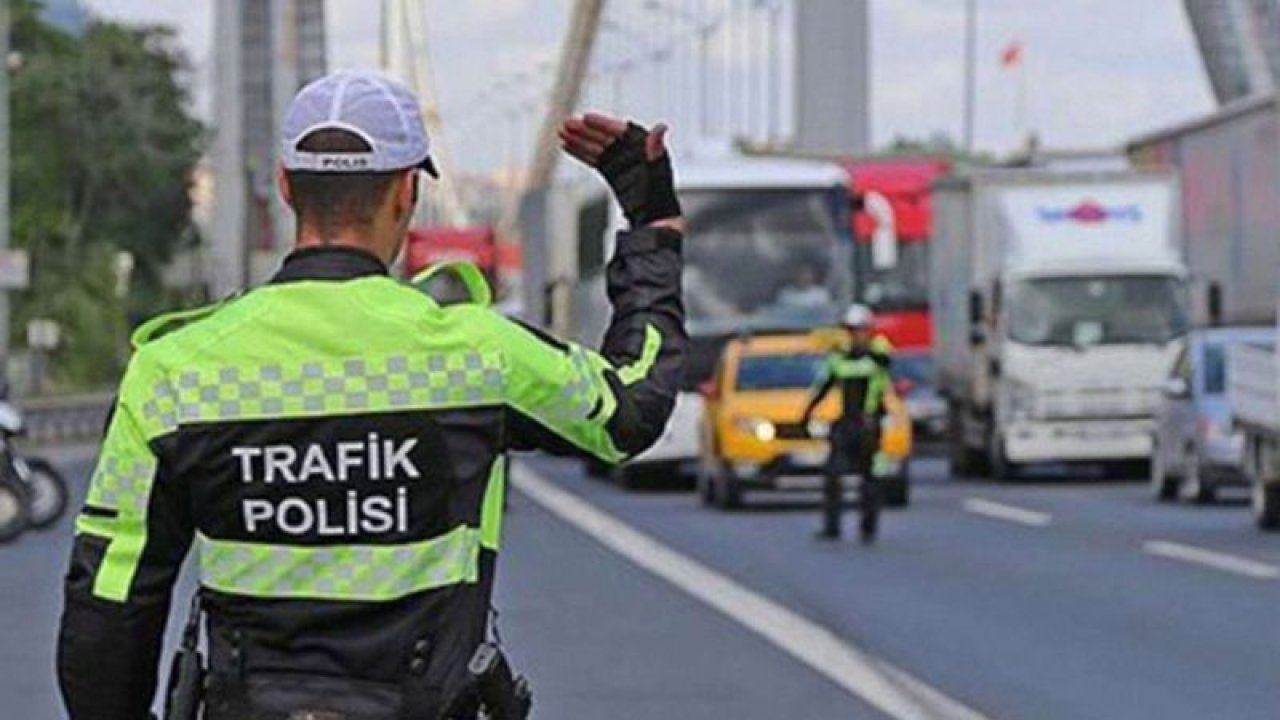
1059, 305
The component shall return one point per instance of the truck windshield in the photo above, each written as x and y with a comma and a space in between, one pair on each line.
905, 286
777, 372
762, 258
1100, 310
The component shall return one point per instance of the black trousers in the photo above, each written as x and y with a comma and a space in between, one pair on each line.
854, 444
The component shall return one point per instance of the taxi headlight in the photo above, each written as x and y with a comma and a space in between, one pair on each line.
758, 428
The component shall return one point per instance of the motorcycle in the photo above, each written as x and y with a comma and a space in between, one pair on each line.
33, 494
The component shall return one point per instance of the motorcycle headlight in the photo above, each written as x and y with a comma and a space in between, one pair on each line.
758, 428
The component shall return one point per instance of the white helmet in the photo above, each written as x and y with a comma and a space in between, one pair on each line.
858, 316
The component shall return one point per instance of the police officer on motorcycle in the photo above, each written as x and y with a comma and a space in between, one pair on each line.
861, 372
334, 441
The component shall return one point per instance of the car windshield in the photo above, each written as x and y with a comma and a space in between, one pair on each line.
1215, 369
777, 372
763, 258
1100, 310
918, 368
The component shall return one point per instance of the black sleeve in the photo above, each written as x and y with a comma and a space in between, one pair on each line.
614, 403
131, 538
816, 397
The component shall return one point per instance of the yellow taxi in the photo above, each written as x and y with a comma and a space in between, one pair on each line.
752, 436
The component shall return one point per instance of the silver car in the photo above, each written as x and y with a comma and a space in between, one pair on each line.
1196, 449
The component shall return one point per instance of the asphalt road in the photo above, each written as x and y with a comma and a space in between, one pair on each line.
1054, 598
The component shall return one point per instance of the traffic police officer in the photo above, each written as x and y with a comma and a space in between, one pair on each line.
333, 442
862, 373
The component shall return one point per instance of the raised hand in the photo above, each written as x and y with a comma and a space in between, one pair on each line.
633, 161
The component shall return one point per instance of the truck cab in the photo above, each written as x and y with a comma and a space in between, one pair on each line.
1061, 308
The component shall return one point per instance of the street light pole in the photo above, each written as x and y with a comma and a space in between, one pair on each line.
773, 133
705, 34
970, 70
6, 20
705, 28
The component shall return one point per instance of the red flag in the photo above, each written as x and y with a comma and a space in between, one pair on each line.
1011, 55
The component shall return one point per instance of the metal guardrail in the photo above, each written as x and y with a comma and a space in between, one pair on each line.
66, 418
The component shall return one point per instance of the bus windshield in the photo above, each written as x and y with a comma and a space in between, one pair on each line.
904, 286
761, 258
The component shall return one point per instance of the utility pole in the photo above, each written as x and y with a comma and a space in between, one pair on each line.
773, 98
6, 20
970, 70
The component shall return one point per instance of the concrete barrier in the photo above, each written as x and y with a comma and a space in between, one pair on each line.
66, 418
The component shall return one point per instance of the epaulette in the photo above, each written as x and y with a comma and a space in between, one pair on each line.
477, 287
165, 323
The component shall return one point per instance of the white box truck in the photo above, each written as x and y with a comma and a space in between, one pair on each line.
1059, 304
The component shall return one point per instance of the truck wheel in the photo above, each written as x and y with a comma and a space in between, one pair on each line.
1164, 488
956, 449
595, 469
706, 484
896, 491
728, 490
1001, 469
623, 476
1266, 505
965, 461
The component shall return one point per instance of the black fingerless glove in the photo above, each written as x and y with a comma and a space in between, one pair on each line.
644, 188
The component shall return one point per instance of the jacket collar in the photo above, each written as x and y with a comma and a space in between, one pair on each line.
328, 262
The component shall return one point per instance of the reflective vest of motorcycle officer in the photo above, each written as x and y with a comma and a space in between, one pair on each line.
861, 372
334, 441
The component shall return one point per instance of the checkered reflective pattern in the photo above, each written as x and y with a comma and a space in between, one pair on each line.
122, 483
327, 388
578, 398
349, 572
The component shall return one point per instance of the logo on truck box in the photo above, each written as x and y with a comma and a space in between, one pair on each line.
1090, 212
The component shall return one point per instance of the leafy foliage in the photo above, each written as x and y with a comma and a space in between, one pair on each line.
103, 150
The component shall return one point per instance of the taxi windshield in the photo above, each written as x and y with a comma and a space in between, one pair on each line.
777, 372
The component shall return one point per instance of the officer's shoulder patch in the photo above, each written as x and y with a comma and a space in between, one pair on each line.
161, 325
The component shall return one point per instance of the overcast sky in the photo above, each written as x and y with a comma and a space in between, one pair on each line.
1095, 72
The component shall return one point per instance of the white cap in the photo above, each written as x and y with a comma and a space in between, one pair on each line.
377, 109
858, 316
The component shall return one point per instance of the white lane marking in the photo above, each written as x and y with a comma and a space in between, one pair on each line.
1000, 511
889, 689
1212, 559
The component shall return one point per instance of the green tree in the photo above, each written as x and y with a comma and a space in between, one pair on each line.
103, 151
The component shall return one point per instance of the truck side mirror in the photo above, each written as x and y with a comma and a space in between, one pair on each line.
1176, 388
1213, 301
975, 307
